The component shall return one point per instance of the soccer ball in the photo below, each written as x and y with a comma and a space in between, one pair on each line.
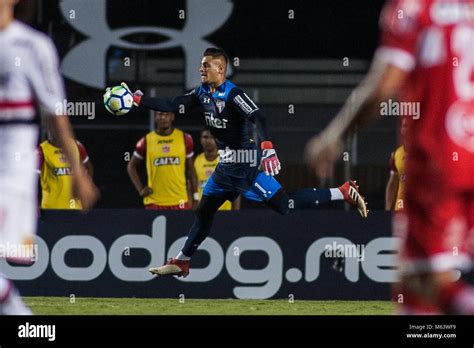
118, 100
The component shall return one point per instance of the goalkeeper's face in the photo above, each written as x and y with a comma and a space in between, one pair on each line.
212, 70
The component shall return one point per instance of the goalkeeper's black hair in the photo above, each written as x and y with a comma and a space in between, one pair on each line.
215, 53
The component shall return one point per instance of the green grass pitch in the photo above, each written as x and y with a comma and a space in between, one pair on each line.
159, 306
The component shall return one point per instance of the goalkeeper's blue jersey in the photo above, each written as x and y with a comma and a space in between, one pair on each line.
230, 115
228, 112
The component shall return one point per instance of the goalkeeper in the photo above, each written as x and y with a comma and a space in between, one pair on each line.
243, 168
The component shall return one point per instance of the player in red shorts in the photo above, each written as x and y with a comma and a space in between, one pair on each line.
426, 56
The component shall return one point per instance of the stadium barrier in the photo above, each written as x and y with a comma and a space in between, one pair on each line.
255, 254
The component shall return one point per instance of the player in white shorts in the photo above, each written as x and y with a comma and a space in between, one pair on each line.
29, 81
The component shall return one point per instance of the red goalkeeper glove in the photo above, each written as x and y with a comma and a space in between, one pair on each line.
270, 163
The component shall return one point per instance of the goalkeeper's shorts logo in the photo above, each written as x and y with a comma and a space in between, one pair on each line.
86, 62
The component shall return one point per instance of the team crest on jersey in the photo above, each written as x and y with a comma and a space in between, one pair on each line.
166, 148
62, 159
220, 105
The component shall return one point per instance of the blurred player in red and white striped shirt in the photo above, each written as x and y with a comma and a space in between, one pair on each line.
29, 80
426, 57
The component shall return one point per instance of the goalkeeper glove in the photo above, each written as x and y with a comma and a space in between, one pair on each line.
137, 95
270, 163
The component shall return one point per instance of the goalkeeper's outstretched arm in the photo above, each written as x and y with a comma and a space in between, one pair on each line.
162, 104
384, 81
167, 104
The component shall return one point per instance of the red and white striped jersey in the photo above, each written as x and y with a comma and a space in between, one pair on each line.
29, 74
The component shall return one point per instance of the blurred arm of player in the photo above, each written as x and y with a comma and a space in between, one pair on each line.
384, 81
89, 168
85, 160
163, 104
84, 188
391, 190
133, 166
393, 63
47, 83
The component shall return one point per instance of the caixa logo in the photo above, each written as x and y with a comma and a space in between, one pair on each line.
86, 62
377, 264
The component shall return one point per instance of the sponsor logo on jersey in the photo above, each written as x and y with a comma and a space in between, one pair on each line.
166, 161
165, 141
62, 171
215, 122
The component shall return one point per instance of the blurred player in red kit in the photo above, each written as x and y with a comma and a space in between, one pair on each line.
427, 57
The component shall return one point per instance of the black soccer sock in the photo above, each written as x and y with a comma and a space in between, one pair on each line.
202, 223
309, 198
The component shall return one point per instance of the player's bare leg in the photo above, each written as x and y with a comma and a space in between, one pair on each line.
437, 292
10, 300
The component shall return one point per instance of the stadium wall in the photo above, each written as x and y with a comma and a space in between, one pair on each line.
257, 254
